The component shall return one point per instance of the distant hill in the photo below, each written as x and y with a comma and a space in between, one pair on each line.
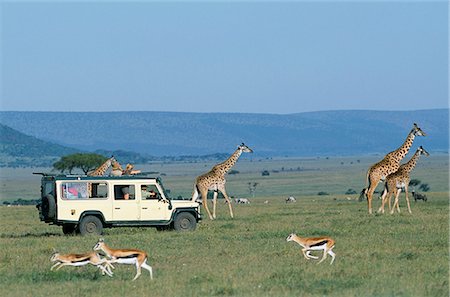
174, 134
21, 150
18, 149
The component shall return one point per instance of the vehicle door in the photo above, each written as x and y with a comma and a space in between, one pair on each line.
125, 203
154, 206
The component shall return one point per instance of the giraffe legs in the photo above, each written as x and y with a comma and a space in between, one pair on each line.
383, 201
214, 203
407, 198
396, 202
222, 189
369, 194
373, 178
204, 194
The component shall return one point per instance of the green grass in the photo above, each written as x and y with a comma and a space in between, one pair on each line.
376, 255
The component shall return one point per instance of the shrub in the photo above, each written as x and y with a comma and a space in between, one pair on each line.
424, 187
350, 192
321, 193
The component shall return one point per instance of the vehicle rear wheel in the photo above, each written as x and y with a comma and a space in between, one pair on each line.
69, 229
185, 222
90, 225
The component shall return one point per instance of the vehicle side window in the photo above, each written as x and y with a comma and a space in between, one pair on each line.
99, 190
76, 190
149, 192
124, 192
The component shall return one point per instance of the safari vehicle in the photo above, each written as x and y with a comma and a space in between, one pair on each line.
86, 205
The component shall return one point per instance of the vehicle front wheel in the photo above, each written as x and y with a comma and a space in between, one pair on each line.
90, 225
185, 222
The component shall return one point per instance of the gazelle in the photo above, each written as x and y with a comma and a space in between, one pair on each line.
314, 244
80, 260
125, 256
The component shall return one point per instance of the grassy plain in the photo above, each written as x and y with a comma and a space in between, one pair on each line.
378, 255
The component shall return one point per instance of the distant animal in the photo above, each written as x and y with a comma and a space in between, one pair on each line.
266, 202
125, 256
325, 244
80, 260
214, 180
242, 201
390, 164
418, 196
291, 199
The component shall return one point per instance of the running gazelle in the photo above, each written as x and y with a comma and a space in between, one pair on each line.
325, 244
125, 256
80, 260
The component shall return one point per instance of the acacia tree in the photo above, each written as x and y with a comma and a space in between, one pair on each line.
86, 162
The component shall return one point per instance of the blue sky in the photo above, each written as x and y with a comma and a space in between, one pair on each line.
257, 57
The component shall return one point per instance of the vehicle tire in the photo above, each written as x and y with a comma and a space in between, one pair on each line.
48, 207
185, 222
69, 229
90, 225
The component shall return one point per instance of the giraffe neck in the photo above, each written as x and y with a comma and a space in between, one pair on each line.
225, 166
409, 166
101, 170
401, 152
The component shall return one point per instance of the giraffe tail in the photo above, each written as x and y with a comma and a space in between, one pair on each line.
364, 191
362, 194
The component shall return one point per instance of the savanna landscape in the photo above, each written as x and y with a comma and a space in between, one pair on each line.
376, 255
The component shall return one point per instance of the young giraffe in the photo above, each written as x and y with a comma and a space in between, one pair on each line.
101, 170
388, 165
398, 180
215, 181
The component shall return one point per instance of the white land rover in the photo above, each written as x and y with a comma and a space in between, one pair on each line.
86, 205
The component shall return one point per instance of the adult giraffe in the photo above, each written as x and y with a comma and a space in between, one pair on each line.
399, 180
214, 180
390, 164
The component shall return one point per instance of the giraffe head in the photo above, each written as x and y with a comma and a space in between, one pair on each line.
417, 131
245, 149
115, 165
422, 151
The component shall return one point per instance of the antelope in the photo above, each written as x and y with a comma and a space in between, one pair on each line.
291, 199
125, 256
80, 260
314, 244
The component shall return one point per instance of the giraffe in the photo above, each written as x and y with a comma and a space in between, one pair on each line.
398, 180
214, 180
101, 170
390, 164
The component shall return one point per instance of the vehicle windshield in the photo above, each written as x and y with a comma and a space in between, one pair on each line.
159, 181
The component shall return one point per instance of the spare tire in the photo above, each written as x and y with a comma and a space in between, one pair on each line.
48, 207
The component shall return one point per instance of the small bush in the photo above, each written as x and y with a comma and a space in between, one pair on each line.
321, 193
350, 192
